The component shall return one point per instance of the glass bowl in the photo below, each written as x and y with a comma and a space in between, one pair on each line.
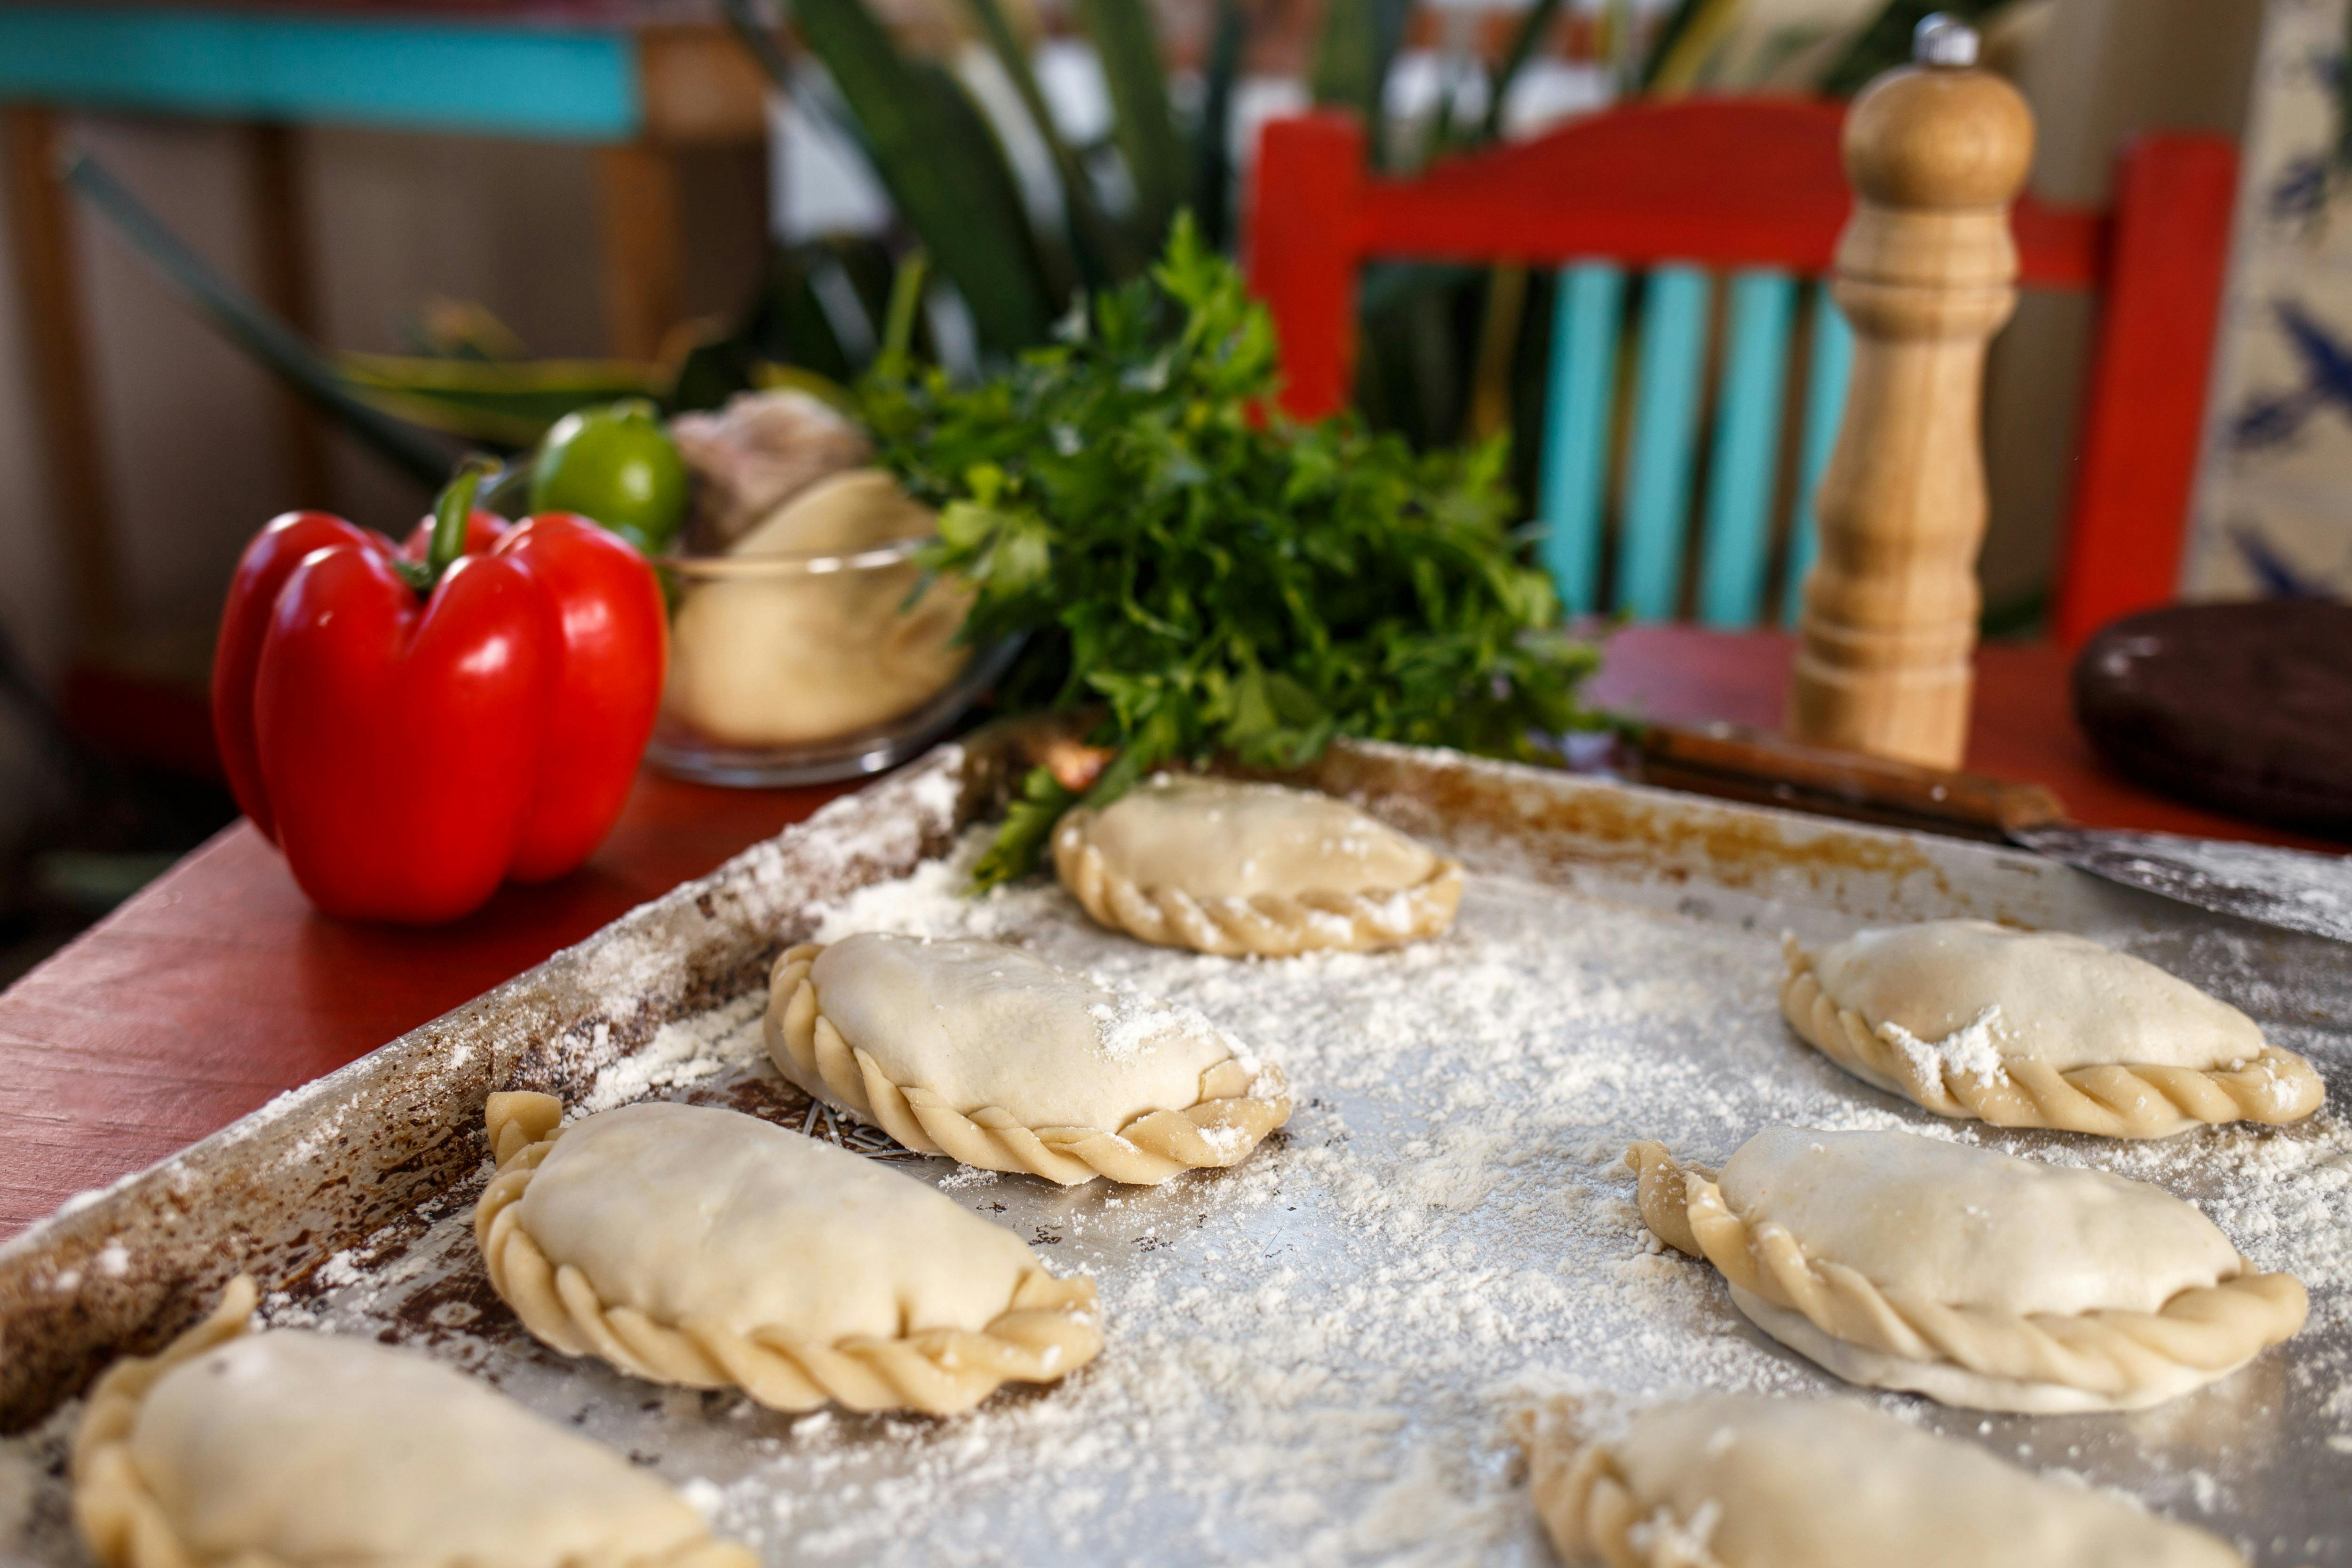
803, 668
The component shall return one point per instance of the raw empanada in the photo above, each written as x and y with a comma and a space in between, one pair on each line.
1743, 1481
1968, 1276
981, 1051
290, 1449
696, 1246
1233, 868
2038, 1029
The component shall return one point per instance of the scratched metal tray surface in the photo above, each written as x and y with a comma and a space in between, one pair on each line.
1309, 1357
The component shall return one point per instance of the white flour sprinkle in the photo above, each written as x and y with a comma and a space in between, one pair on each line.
1392, 914
684, 1051
1130, 1028
1310, 1356
1665, 1539
1968, 1051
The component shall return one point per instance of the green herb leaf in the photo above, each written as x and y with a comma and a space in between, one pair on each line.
1028, 821
1222, 580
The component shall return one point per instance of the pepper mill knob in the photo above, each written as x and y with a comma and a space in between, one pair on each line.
1943, 40
1926, 273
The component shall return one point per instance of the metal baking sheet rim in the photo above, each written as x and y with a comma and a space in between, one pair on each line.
324, 1166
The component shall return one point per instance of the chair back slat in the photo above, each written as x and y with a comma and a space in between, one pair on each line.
1668, 386
1826, 375
1753, 395
1579, 402
1761, 302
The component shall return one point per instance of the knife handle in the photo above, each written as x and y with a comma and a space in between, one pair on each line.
1732, 762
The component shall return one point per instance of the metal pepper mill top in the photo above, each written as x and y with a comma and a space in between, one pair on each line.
1943, 40
1926, 273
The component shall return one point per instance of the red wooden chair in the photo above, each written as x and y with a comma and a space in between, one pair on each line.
1756, 187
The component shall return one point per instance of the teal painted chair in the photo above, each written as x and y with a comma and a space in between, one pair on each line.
1691, 236
1662, 449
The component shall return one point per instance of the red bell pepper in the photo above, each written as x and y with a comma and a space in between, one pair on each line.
414, 727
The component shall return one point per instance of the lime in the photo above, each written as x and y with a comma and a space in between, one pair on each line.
617, 466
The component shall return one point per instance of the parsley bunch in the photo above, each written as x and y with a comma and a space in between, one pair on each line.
1218, 579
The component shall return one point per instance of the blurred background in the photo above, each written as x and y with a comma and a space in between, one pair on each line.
469, 239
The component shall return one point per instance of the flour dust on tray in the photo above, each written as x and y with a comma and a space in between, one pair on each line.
1311, 1357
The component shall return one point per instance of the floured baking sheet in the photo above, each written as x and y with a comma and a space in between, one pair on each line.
1308, 1357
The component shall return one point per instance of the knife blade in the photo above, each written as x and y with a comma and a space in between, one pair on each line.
2293, 889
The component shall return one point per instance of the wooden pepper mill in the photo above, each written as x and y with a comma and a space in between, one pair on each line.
1926, 273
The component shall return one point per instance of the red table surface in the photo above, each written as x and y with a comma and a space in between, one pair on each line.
218, 986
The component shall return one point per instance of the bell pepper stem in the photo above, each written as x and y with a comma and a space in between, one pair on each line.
451, 510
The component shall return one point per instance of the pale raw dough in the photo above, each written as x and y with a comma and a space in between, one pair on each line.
981, 1023
769, 659
298, 1449
1975, 1278
984, 1052
1950, 1222
702, 1245
2061, 999
1231, 868
2038, 1029
685, 1211
1219, 838
1747, 1481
